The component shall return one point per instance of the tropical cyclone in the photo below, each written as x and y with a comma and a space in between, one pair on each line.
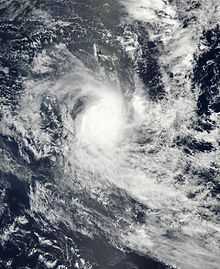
109, 134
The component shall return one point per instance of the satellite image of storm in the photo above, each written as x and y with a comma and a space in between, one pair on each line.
109, 134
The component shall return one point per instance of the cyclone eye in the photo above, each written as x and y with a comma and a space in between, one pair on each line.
79, 106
